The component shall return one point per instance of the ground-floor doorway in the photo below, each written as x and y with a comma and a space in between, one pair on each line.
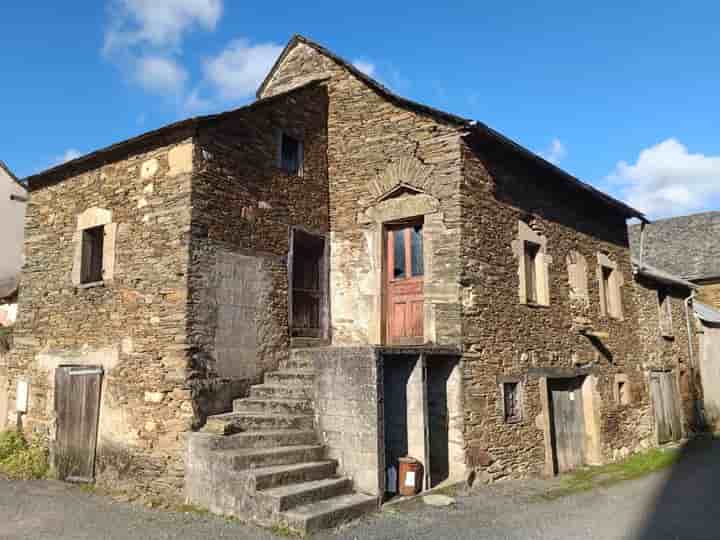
308, 295
666, 406
77, 408
422, 417
568, 423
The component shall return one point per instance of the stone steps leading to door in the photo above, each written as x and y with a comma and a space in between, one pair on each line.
264, 462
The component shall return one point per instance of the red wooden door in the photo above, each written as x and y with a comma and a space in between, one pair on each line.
404, 284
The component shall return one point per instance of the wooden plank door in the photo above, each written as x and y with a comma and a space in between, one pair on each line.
568, 423
664, 397
404, 284
77, 406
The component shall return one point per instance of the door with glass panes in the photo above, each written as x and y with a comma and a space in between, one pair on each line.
404, 283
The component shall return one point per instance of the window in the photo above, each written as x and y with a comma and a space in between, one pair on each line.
534, 279
92, 255
531, 278
511, 402
622, 390
290, 154
665, 307
610, 280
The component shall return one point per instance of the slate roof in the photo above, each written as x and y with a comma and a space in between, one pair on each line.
660, 276
687, 246
483, 130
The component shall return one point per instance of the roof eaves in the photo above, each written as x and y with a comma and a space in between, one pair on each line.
189, 123
628, 211
11, 174
660, 275
375, 85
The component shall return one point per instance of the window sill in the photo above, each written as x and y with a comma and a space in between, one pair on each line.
90, 285
535, 305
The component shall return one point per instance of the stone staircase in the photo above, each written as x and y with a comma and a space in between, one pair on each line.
263, 461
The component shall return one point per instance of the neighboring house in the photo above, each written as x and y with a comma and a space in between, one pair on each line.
402, 281
686, 246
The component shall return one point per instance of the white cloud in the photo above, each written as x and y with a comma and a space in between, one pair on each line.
158, 23
555, 153
69, 155
368, 68
160, 75
667, 180
239, 69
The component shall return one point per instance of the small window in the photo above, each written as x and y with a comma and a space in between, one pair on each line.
666, 328
290, 154
622, 393
532, 251
511, 402
416, 250
92, 255
399, 254
610, 298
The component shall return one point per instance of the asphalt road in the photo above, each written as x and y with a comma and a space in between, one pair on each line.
680, 503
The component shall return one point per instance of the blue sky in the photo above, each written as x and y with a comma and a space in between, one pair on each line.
624, 95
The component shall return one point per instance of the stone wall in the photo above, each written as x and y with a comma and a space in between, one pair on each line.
670, 352
244, 206
505, 338
709, 294
348, 385
373, 145
133, 324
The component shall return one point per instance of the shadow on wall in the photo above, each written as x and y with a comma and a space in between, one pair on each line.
688, 505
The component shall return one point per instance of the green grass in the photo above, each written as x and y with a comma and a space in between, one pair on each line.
284, 531
20, 459
636, 466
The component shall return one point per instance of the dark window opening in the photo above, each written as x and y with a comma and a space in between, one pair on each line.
92, 255
531, 279
606, 274
623, 396
511, 398
290, 154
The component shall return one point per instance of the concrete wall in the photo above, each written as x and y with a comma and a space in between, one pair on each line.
347, 392
12, 217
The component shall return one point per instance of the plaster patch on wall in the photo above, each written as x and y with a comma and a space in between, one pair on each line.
180, 159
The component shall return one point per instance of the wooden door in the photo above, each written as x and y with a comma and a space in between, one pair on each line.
404, 284
568, 423
77, 406
664, 397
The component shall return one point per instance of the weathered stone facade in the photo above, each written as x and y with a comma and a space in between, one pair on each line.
194, 308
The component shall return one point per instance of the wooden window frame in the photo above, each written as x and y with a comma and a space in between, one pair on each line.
517, 382
93, 241
280, 139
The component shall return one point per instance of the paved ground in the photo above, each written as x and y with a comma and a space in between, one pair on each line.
680, 503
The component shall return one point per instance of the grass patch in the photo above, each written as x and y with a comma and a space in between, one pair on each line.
191, 509
635, 466
20, 459
284, 531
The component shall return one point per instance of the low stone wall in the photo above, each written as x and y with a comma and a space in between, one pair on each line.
347, 388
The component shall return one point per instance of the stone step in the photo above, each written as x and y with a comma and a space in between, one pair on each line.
300, 359
268, 457
329, 513
273, 405
236, 422
294, 377
281, 475
280, 391
263, 439
286, 497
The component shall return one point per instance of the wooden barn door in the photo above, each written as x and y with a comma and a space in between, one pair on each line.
664, 396
77, 406
568, 422
404, 284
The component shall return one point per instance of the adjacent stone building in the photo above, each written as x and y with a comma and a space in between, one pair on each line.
265, 309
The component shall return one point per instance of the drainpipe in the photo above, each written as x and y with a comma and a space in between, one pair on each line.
688, 300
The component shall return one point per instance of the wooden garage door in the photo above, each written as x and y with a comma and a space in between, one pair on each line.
77, 406
664, 396
568, 422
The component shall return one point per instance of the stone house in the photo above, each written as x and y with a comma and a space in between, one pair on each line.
265, 309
